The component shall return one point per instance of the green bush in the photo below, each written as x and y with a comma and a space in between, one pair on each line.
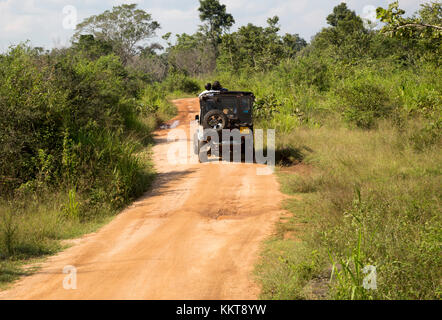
428, 136
265, 107
311, 70
364, 103
64, 120
178, 82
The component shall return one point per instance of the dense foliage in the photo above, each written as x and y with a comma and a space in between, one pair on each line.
126, 27
64, 120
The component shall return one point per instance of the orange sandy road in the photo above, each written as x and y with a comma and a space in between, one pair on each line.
196, 235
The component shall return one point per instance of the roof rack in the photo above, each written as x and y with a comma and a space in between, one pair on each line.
229, 93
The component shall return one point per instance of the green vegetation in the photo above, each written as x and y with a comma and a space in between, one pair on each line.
358, 118
124, 28
75, 131
216, 21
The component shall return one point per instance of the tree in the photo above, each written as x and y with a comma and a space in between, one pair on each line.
421, 32
126, 27
293, 43
217, 20
92, 48
191, 54
340, 13
431, 14
257, 48
344, 18
346, 38
427, 24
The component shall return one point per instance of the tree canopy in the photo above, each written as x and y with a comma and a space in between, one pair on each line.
126, 27
428, 24
216, 20
257, 48
423, 30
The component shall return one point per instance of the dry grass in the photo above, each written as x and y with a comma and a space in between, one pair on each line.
373, 184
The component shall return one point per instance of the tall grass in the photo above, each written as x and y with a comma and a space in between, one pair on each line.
373, 199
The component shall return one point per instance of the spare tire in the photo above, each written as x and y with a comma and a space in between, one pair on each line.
215, 119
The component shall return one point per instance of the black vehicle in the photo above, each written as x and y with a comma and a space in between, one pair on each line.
231, 110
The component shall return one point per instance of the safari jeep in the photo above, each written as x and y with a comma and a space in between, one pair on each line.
225, 124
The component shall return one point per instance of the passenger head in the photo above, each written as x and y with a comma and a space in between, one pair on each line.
208, 87
217, 86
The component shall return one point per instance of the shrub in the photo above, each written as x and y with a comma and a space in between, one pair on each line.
265, 107
428, 136
364, 103
310, 70
8, 234
178, 82
64, 117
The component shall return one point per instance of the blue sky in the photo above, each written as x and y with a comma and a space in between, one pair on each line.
41, 21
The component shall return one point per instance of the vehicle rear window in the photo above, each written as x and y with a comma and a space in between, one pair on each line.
228, 102
245, 103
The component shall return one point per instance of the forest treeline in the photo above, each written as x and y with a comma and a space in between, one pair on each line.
357, 109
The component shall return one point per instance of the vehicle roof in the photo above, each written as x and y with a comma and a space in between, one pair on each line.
233, 93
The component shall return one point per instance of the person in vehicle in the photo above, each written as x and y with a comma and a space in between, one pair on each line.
208, 88
218, 87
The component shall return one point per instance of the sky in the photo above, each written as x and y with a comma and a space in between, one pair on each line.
50, 23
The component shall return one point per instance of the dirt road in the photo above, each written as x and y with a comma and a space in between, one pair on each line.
195, 236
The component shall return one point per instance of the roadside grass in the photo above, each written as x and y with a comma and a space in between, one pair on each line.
180, 95
33, 226
288, 264
372, 198
32, 229
11, 271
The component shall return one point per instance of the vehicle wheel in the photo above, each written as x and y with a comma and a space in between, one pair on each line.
215, 119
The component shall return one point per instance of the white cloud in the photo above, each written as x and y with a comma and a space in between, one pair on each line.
175, 20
